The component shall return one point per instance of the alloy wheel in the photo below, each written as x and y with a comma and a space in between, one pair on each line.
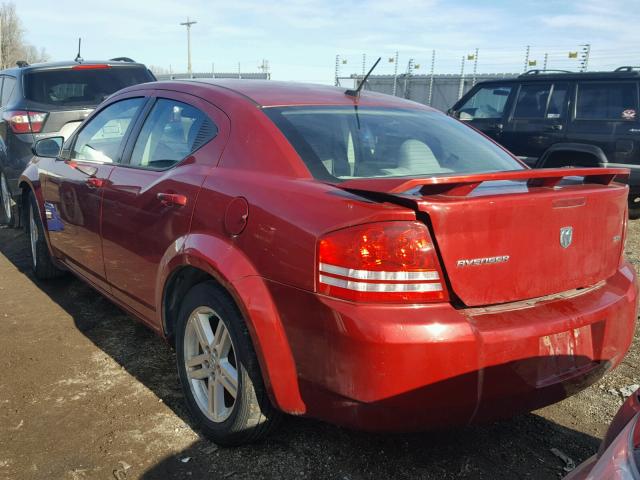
210, 361
6, 198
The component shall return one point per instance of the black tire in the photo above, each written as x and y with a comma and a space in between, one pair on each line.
41, 263
12, 218
252, 415
634, 210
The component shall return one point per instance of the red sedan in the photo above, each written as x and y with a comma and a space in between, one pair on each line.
360, 259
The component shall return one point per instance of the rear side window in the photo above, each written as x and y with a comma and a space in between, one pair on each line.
87, 87
487, 102
172, 131
532, 101
7, 89
607, 101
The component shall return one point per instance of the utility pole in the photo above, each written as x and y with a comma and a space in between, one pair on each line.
526, 58
546, 61
337, 83
475, 67
1, 43
433, 67
188, 24
461, 88
395, 74
584, 57
407, 78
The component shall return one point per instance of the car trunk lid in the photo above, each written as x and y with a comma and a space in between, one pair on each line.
516, 235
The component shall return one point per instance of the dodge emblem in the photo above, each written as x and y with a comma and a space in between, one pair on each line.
566, 236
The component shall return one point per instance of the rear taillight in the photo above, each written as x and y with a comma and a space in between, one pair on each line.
381, 262
619, 460
22, 121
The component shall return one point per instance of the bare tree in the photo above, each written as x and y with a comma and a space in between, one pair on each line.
13, 47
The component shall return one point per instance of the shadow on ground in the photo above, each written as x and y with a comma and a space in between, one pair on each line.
302, 448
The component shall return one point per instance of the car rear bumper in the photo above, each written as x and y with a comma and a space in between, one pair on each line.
386, 367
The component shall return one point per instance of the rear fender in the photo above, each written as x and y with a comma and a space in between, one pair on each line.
231, 268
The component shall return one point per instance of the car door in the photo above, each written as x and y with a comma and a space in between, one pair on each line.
73, 187
537, 120
606, 115
485, 108
149, 199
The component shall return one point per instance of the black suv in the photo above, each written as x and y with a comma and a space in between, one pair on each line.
51, 99
557, 119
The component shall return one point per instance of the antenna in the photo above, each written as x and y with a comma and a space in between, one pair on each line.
78, 57
356, 92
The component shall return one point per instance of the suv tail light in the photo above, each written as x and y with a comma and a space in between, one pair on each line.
381, 262
22, 121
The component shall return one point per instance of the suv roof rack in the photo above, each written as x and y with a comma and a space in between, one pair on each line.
122, 59
626, 68
22, 63
540, 72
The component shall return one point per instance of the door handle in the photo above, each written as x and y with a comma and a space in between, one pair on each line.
94, 182
172, 199
553, 128
634, 130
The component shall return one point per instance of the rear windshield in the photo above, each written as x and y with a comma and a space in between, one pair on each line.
339, 143
80, 87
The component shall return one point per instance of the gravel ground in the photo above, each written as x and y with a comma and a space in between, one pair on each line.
86, 392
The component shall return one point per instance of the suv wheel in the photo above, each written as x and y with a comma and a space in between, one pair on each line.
7, 201
41, 262
219, 371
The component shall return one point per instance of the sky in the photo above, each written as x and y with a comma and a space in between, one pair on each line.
301, 38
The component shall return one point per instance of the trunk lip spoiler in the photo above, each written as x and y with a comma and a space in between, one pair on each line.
462, 185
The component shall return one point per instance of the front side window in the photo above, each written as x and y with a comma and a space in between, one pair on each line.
338, 143
607, 101
172, 131
487, 102
100, 139
532, 101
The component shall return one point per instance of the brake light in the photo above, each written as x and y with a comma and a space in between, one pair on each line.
22, 121
95, 66
381, 262
619, 460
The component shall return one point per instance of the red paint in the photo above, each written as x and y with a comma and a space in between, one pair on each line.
503, 338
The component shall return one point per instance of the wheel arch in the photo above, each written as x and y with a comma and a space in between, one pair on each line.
200, 257
595, 154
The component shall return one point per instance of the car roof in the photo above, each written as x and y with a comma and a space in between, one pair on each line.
67, 64
270, 93
550, 76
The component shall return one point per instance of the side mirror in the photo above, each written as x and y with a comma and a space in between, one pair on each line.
48, 147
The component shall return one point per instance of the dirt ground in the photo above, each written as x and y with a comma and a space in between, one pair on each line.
88, 393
